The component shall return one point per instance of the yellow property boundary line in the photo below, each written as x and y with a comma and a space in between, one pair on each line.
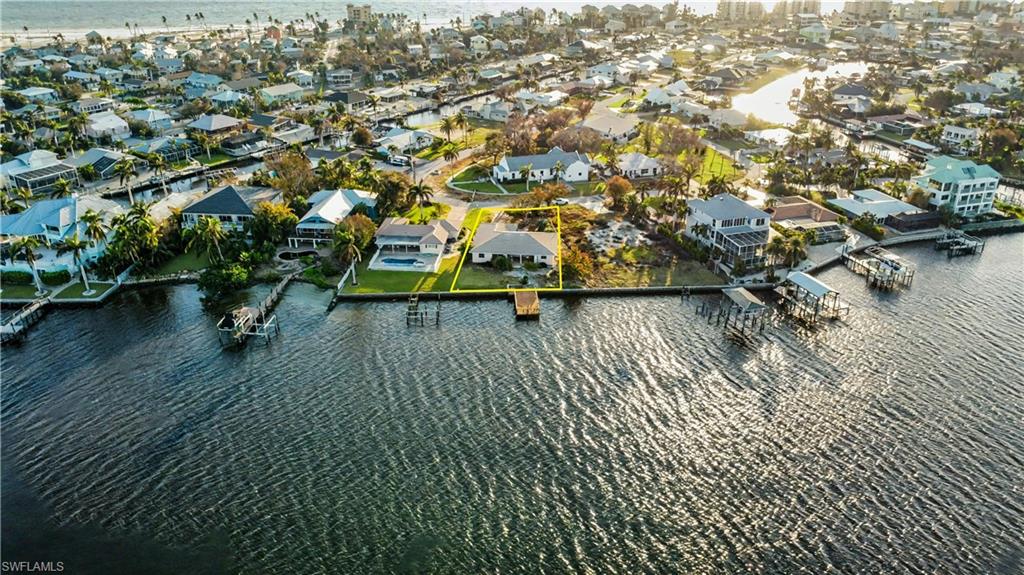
469, 243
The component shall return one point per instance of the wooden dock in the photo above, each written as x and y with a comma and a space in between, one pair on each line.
881, 268
418, 315
957, 243
527, 304
16, 328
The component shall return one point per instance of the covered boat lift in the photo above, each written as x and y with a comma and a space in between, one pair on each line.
809, 299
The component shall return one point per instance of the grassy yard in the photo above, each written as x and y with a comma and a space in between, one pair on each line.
434, 211
474, 172
679, 274
377, 281
11, 291
482, 187
214, 159
716, 164
77, 290
184, 262
482, 277
734, 143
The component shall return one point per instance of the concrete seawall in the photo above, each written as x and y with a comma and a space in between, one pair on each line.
562, 294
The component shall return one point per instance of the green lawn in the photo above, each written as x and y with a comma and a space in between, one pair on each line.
377, 281
433, 152
716, 164
214, 159
482, 187
475, 276
11, 291
184, 262
434, 211
76, 290
474, 172
734, 143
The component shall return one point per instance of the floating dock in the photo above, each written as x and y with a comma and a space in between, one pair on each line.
957, 243
881, 268
527, 304
808, 299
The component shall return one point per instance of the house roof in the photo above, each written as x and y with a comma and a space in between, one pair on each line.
56, 213
726, 207
281, 89
637, 161
397, 230
809, 283
331, 206
947, 169
545, 161
231, 200
214, 122
149, 115
507, 239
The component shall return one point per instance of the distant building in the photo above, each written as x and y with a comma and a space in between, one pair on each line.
575, 167
733, 10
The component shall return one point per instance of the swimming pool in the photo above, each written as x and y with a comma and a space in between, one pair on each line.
413, 262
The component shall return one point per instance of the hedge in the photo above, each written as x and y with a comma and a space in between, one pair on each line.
55, 278
16, 278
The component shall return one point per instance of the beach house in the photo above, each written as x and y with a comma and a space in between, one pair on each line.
327, 208
968, 188
731, 226
233, 206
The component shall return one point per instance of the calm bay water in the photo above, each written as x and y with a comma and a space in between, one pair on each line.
613, 436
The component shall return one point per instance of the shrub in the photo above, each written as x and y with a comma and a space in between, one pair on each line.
501, 263
316, 277
222, 279
55, 278
16, 278
531, 266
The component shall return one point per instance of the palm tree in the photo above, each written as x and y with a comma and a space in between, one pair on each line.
24, 194
448, 126
76, 246
159, 165
61, 189
204, 141
207, 233
126, 169
450, 155
462, 122
26, 247
525, 173
558, 169
776, 249
95, 229
795, 250
346, 248
421, 194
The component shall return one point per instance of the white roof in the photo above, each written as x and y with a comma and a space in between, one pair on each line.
810, 284
331, 206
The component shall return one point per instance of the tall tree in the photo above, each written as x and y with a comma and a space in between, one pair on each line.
75, 247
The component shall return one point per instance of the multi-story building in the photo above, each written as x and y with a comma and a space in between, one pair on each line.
361, 14
967, 188
791, 7
868, 9
958, 139
735, 228
733, 10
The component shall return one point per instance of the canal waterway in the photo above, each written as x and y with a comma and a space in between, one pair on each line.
771, 101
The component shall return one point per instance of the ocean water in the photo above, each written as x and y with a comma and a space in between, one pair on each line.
612, 436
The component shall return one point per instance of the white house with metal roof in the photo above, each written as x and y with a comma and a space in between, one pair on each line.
327, 209
575, 167
870, 201
53, 221
37, 170
107, 125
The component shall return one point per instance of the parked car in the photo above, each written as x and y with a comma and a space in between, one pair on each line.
397, 160
561, 202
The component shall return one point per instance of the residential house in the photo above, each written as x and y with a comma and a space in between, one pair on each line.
635, 165
107, 125
39, 94
519, 246
171, 149
215, 124
619, 128
575, 167
870, 201
102, 161
86, 80
968, 188
301, 78
404, 141
37, 171
402, 246
327, 208
233, 206
92, 105
53, 221
977, 92
960, 140
802, 215
731, 226
282, 93
156, 120
352, 101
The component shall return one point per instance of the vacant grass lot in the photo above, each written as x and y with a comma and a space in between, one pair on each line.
77, 291
185, 262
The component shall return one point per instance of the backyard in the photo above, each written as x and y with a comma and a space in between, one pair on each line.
186, 262
77, 291
379, 281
